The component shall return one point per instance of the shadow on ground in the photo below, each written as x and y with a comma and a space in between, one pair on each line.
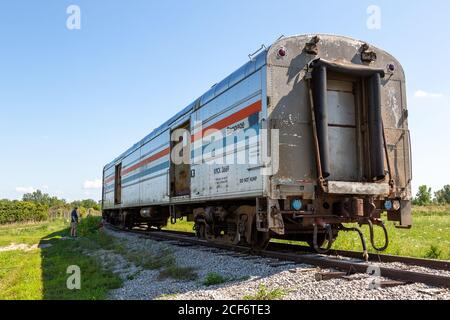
59, 253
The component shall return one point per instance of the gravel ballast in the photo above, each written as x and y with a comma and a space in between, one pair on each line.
245, 275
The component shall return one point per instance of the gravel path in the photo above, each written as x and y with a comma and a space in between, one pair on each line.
245, 274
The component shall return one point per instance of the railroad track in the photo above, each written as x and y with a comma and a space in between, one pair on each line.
334, 260
373, 257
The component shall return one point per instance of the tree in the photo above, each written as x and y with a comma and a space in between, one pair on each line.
443, 196
36, 196
423, 196
87, 203
43, 198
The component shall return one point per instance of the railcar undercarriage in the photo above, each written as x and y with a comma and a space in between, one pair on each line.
241, 223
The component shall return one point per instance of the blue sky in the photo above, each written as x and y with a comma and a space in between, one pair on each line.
71, 100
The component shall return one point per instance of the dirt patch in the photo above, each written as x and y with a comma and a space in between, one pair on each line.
24, 247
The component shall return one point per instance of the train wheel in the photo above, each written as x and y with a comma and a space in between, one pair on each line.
260, 240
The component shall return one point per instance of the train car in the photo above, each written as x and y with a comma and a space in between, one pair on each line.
308, 136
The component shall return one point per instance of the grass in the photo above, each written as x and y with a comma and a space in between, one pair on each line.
178, 273
264, 294
429, 236
20, 275
95, 280
433, 253
182, 225
29, 233
152, 258
166, 296
42, 273
213, 278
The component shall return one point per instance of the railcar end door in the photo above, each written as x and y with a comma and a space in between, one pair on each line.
342, 130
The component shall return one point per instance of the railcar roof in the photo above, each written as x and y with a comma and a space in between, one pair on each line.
247, 69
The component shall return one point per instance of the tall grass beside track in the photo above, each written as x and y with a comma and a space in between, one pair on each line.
428, 238
32, 273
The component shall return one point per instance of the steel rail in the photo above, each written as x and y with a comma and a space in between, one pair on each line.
373, 257
317, 260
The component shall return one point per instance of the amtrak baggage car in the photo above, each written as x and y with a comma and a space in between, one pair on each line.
310, 134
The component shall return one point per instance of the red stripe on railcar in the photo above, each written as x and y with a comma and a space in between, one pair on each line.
219, 125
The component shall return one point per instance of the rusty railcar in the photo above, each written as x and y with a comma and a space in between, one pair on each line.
323, 125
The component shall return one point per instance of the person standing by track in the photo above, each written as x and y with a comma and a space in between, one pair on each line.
74, 222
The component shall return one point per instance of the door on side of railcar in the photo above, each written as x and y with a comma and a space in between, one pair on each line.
118, 184
180, 168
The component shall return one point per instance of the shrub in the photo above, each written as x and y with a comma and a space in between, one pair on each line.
82, 212
22, 211
443, 196
178, 273
433, 252
89, 225
213, 279
264, 294
423, 196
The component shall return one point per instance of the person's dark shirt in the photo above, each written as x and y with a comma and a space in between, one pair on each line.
74, 216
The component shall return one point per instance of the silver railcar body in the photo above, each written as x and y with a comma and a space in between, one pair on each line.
239, 101
341, 149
